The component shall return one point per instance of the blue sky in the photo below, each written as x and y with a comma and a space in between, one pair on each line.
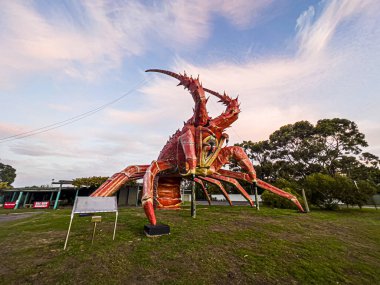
288, 61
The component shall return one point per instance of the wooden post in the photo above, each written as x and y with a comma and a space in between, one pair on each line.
95, 220
193, 202
93, 234
305, 201
256, 197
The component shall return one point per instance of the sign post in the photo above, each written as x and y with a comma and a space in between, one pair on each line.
95, 220
88, 205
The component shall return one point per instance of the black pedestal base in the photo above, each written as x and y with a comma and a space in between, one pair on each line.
157, 230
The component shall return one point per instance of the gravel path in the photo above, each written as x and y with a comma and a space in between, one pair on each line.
16, 216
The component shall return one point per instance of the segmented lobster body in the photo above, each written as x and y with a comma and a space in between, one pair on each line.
196, 152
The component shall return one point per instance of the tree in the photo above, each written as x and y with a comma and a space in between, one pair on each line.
322, 190
327, 191
92, 182
4, 185
7, 173
333, 147
364, 192
339, 143
293, 150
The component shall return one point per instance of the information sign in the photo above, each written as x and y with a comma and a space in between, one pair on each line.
41, 205
9, 205
87, 205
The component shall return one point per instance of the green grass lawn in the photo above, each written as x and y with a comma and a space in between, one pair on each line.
223, 245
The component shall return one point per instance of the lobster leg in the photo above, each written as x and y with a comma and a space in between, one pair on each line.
263, 185
217, 183
114, 183
237, 175
188, 146
280, 192
147, 195
239, 155
237, 185
204, 189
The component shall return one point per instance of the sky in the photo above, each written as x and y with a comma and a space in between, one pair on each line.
288, 60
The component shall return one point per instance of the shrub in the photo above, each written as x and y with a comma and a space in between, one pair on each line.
327, 191
273, 200
323, 189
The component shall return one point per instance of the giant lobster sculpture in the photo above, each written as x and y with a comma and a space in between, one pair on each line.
196, 152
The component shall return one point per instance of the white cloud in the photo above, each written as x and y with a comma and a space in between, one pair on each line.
315, 33
241, 12
334, 72
276, 91
92, 37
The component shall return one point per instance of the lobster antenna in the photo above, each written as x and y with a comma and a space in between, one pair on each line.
179, 77
213, 93
172, 74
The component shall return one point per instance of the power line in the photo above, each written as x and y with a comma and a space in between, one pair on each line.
70, 120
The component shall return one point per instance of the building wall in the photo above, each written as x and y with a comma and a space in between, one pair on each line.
127, 195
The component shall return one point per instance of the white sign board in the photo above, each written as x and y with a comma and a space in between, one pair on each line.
84, 205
